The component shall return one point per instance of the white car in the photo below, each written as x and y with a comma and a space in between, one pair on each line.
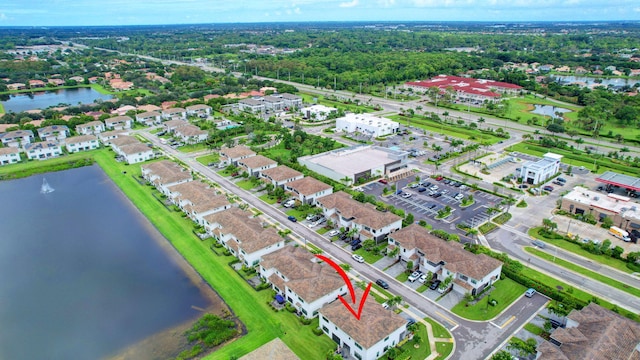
357, 258
406, 195
423, 278
415, 275
413, 186
333, 233
310, 217
459, 196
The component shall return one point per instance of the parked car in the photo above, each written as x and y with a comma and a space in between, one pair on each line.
414, 185
289, 203
442, 289
423, 278
333, 233
433, 188
383, 181
530, 292
562, 180
434, 285
447, 181
439, 178
355, 242
547, 188
292, 218
406, 195
357, 258
459, 196
383, 284
422, 189
415, 275
437, 195
356, 247
310, 217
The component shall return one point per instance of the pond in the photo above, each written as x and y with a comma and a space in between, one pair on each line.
83, 274
548, 110
591, 81
44, 99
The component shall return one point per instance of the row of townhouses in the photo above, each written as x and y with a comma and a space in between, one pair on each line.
274, 102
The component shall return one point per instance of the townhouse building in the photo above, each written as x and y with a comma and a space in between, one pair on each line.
470, 273
231, 156
165, 174
308, 189
9, 155
280, 175
82, 143
351, 214
300, 278
43, 150
197, 200
254, 165
90, 128
17, 138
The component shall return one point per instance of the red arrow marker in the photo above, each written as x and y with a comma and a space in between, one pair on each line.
349, 285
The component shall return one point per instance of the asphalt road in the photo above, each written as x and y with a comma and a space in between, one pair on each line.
473, 340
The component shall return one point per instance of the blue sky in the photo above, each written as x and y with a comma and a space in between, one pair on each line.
144, 12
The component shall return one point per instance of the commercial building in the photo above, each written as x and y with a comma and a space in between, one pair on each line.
317, 112
536, 172
476, 91
624, 212
367, 124
356, 162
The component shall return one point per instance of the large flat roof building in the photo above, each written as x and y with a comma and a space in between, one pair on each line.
353, 163
367, 124
536, 172
624, 212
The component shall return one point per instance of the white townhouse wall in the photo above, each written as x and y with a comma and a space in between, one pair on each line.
536, 172
174, 114
200, 110
308, 189
135, 153
90, 128
149, 118
243, 235
172, 125
197, 200
254, 165
280, 175
231, 156
17, 138
165, 174
191, 134
9, 155
82, 143
53, 133
108, 136
251, 105
471, 273
43, 150
348, 213
367, 124
290, 100
367, 338
302, 279
118, 123
318, 112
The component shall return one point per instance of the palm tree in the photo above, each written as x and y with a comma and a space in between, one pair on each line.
481, 120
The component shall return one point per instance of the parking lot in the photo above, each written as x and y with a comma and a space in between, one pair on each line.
425, 206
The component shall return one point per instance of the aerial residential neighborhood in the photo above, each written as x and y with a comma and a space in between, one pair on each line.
398, 194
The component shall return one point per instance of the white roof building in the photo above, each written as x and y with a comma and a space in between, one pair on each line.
367, 124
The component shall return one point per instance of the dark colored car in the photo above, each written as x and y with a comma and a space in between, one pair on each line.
547, 188
383, 284
356, 247
422, 189
355, 242
292, 218
434, 285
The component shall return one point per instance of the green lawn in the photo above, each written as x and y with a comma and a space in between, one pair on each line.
368, 256
207, 159
262, 323
533, 329
246, 184
576, 249
192, 147
423, 351
403, 277
586, 272
439, 331
444, 349
269, 199
447, 129
522, 107
506, 291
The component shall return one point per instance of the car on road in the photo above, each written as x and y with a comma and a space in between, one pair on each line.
292, 218
415, 275
547, 188
383, 284
406, 195
434, 285
539, 244
333, 233
357, 258
530, 292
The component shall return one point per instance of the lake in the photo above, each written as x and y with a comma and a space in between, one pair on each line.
591, 82
83, 274
548, 110
44, 99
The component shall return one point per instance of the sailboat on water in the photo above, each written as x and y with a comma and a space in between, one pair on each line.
46, 188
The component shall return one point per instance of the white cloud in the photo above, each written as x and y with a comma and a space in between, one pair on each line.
3, 17
386, 3
349, 4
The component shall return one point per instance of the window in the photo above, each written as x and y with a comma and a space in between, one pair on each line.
324, 328
358, 346
473, 281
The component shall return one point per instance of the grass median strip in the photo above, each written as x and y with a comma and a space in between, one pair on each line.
586, 272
